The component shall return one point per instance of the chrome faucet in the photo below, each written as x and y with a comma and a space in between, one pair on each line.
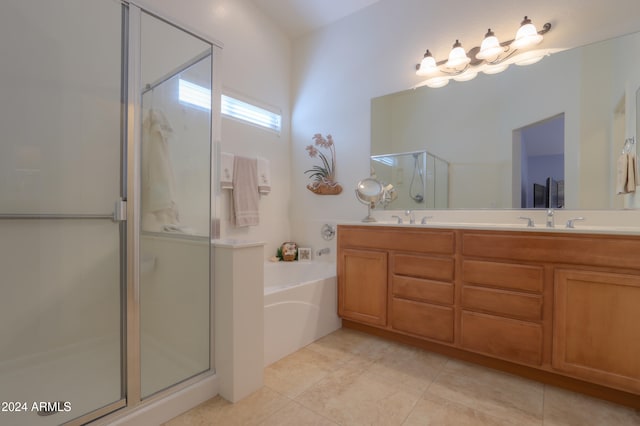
550, 219
571, 222
530, 223
424, 219
398, 218
325, 250
412, 218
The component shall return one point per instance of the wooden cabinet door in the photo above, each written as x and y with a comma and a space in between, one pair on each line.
596, 331
362, 286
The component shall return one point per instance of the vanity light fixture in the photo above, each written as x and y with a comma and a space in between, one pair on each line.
491, 57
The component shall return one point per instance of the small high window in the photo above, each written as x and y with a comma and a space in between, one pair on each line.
244, 111
231, 107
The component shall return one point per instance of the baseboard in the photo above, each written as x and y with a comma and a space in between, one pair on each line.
168, 407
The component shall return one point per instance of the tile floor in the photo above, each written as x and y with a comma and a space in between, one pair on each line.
352, 378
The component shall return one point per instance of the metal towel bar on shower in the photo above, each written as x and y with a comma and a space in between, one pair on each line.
56, 216
119, 214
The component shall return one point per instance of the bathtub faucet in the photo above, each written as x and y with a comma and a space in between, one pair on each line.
323, 251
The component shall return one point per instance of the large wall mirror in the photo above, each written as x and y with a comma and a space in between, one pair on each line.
560, 123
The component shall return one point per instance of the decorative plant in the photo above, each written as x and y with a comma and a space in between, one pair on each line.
323, 175
287, 252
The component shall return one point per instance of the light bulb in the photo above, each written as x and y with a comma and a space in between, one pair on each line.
490, 48
428, 65
527, 35
458, 58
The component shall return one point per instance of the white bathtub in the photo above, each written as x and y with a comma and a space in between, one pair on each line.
300, 306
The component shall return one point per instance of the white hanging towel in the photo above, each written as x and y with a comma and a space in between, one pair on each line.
627, 176
159, 207
632, 173
264, 176
226, 171
245, 191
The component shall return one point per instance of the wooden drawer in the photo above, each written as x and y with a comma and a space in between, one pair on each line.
437, 241
504, 275
581, 249
517, 305
422, 290
513, 340
434, 268
422, 319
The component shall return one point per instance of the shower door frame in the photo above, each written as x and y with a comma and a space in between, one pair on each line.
121, 215
131, 154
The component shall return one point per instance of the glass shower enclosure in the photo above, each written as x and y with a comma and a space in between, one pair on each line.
420, 179
105, 209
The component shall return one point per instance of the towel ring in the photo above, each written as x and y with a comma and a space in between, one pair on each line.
628, 144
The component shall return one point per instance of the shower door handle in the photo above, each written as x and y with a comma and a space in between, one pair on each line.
120, 211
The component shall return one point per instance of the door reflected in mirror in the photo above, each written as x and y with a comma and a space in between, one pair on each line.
538, 164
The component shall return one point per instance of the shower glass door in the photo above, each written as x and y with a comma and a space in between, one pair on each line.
175, 209
61, 263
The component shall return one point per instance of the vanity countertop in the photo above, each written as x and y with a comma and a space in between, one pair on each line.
621, 230
621, 222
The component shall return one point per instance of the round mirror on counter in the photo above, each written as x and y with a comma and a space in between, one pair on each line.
370, 192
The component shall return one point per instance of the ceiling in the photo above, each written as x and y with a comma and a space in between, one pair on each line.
299, 17
580, 24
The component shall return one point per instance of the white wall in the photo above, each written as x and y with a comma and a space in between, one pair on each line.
256, 63
338, 69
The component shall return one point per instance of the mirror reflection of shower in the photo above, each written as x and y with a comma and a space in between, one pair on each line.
416, 193
420, 179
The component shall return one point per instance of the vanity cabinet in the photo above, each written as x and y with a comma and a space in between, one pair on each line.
501, 306
596, 332
418, 264
555, 306
362, 294
422, 295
